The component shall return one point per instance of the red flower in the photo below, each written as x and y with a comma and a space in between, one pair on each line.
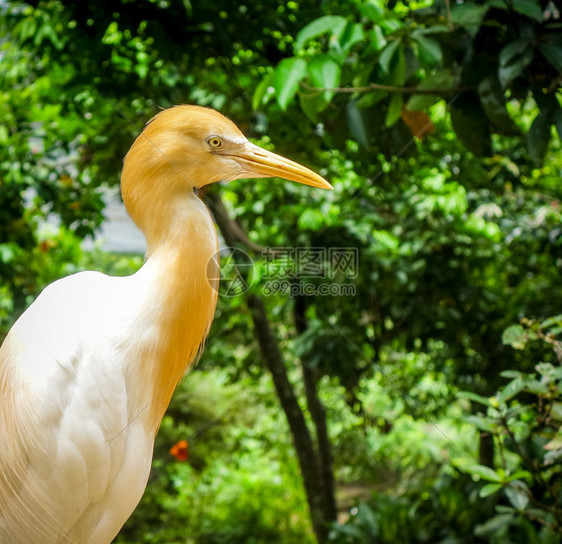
180, 450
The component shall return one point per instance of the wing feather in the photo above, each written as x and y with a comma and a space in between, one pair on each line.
62, 399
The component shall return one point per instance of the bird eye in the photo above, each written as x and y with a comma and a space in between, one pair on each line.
215, 142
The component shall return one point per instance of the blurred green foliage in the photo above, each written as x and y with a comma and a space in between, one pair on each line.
458, 234
404, 59
517, 501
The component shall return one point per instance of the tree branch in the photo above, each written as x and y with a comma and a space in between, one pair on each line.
231, 231
449, 16
318, 415
387, 88
304, 447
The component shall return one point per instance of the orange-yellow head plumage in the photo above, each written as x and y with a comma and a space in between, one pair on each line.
188, 147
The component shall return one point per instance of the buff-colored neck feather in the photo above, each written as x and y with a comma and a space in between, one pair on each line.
177, 283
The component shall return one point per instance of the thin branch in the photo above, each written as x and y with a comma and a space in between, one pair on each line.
548, 338
449, 17
235, 233
233, 230
387, 88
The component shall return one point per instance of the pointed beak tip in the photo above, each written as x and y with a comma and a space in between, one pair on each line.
269, 164
315, 181
322, 183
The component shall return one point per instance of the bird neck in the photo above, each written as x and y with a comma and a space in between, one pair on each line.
178, 290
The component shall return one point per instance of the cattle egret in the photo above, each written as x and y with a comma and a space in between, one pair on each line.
87, 372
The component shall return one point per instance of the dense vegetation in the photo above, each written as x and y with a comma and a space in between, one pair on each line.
422, 402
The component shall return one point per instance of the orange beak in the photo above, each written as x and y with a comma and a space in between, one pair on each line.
266, 164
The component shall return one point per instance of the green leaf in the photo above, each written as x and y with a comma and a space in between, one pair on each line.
513, 50
509, 72
421, 102
513, 388
286, 79
514, 58
510, 373
387, 53
553, 54
530, 8
469, 395
312, 103
324, 72
546, 370
550, 321
481, 422
493, 525
552, 457
538, 138
469, 16
517, 496
429, 51
482, 472
493, 102
3, 134
471, 124
329, 23
394, 109
489, 489
376, 38
352, 34
261, 91
515, 336
27, 28
520, 474
373, 10
536, 387
357, 124
398, 68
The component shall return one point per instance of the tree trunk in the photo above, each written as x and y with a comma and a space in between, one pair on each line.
318, 414
301, 436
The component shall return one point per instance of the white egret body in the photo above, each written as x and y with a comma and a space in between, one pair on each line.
88, 370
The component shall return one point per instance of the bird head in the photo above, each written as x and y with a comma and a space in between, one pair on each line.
204, 147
